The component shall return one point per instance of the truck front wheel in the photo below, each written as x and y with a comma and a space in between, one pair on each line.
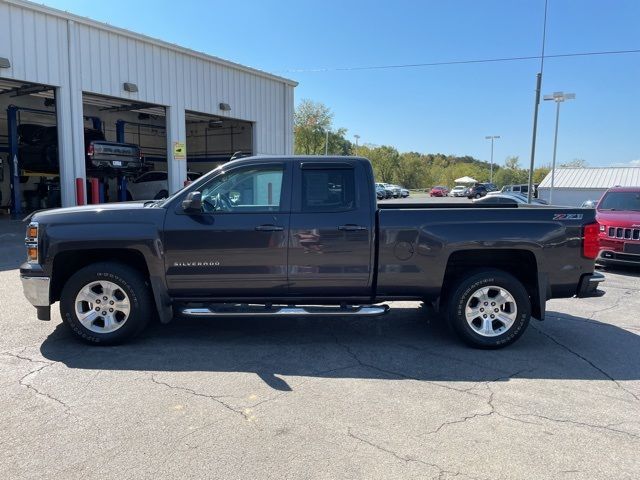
106, 303
489, 309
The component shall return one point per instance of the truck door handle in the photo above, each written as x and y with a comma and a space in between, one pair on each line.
351, 228
269, 228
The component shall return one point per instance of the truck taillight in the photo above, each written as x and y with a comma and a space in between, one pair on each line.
90, 151
141, 155
590, 245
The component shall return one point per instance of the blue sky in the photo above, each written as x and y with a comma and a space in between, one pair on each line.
447, 109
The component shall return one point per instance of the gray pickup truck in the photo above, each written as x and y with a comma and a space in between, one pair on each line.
267, 236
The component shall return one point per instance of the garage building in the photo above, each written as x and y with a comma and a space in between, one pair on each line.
572, 186
66, 80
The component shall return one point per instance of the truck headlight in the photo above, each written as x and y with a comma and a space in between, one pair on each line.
31, 241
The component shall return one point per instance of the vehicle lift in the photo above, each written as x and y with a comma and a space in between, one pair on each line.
13, 111
97, 184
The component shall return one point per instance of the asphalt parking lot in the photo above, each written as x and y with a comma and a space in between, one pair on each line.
393, 397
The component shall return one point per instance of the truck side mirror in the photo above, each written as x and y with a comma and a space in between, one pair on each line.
192, 203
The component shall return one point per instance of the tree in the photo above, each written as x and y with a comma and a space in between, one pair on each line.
575, 163
512, 163
311, 122
539, 174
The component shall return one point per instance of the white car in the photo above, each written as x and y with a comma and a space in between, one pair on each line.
459, 191
152, 185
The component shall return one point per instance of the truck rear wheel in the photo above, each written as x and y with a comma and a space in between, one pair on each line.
106, 303
489, 309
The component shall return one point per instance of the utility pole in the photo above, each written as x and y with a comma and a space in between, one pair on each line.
492, 138
326, 142
557, 97
533, 137
357, 137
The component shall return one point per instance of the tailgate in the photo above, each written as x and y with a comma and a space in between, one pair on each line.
115, 151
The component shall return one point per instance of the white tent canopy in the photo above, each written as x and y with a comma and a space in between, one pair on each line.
466, 180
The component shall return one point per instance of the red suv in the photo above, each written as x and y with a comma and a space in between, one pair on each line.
439, 192
618, 214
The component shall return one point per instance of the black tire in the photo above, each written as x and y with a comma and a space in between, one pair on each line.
477, 195
161, 194
129, 281
468, 287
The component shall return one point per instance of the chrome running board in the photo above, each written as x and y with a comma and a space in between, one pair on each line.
260, 311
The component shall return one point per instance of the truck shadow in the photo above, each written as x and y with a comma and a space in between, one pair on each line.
400, 345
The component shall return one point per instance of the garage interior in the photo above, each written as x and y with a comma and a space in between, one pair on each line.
213, 140
210, 140
27, 125
124, 122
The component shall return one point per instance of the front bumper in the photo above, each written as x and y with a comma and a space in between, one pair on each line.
617, 258
36, 289
588, 286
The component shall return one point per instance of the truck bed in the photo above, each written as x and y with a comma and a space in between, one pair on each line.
417, 241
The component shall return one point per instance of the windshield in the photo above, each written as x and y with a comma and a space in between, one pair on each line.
629, 201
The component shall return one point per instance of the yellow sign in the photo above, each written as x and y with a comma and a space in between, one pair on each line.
179, 151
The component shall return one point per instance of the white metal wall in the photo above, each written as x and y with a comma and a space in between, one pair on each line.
75, 54
570, 197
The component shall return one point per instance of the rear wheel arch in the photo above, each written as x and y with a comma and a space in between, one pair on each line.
521, 264
489, 308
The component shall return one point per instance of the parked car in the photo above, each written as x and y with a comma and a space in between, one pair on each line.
506, 199
618, 214
152, 185
381, 193
439, 191
388, 192
459, 191
38, 151
521, 188
491, 187
589, 204
477, 191
395, 189
404, 193
114, 267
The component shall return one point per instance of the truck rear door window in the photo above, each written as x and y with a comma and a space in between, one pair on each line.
328, 190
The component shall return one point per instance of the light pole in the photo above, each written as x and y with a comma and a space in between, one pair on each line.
492, 138
357, 137
557, 97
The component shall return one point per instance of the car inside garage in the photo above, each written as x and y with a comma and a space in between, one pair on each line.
136, 144
29, 167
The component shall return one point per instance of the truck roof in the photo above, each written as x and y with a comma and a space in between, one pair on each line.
624, 189
315, 158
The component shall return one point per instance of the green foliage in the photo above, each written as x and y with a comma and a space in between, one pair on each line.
313, 120
540, 173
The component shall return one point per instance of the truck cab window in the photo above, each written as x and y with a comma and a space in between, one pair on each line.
254, 189
330, 190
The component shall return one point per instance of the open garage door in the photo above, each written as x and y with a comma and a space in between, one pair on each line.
126, 147
213, 140
29, 169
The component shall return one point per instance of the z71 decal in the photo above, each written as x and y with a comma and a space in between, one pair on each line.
567, 216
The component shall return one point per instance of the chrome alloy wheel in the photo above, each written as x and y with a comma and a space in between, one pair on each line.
102, 306
491, 311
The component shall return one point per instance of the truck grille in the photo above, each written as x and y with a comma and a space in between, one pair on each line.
624, 233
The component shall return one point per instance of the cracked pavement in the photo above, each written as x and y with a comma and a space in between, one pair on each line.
392, 397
